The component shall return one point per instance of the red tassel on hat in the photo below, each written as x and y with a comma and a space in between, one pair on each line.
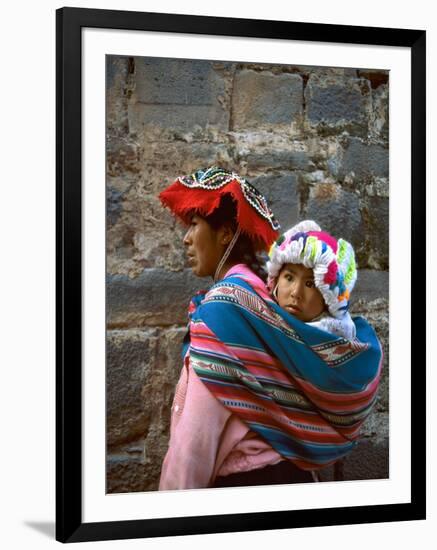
202, 193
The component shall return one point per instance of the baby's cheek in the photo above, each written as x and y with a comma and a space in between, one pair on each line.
283, 292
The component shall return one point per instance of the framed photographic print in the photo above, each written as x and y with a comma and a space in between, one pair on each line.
324, 122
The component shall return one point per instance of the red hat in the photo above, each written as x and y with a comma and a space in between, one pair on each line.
202, 192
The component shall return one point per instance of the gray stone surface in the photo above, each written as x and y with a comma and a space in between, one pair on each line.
370, 458
156, 297
337, 103
336, 209
176, 81
370, 285
177, 94
281, 193
262, 99
116, 68
143, 117
142, 369
130, 359
379, 121
114, 205
122, 156
365, 161
118, 84
377, 232
366, 461
280, 160
127, 474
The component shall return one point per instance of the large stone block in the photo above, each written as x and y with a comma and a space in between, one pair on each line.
282, 196
178, 94
160, 391
276, 160
129, 474
334, 104
143, 367
332, 207
176, 81
131, 356
363, 221
376, 212
262, 99
156, 297
365, 161
371, 285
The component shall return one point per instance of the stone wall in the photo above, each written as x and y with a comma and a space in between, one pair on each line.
314, 140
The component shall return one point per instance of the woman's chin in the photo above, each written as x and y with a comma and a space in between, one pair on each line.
196, 269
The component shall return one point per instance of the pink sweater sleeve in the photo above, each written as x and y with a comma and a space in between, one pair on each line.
197, 424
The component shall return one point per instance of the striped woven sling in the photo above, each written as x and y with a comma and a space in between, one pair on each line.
305, 391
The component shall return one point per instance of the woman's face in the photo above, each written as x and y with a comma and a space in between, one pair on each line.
297, 293
204, 246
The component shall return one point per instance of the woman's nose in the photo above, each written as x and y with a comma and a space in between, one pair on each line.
186, 239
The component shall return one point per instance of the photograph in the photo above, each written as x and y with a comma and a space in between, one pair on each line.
296, 160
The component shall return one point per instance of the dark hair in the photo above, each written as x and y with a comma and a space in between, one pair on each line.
244, 250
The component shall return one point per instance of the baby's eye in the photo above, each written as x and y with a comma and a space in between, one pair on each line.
310, 284
288, 277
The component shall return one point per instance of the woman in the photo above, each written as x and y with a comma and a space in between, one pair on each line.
258, 402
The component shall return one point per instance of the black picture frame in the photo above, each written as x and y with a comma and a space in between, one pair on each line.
69, 524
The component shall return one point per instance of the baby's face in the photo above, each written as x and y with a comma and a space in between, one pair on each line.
297, 293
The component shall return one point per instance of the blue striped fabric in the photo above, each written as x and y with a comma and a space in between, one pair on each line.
305, 391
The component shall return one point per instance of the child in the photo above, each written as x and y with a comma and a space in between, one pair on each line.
311, 275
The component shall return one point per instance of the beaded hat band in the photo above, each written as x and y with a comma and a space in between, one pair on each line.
202, 192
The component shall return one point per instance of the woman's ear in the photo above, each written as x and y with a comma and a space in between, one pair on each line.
225, 235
